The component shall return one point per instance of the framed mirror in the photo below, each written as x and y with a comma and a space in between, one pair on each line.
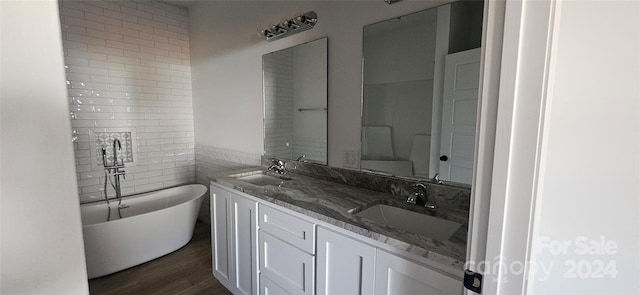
420, 88
295, 102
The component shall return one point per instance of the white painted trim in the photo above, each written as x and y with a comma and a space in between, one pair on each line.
490, 59
525, 59
536, 203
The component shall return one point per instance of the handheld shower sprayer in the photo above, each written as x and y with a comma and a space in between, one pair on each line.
115, 152
104, 157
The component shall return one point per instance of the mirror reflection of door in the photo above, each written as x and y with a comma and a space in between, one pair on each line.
459, 108
404, 104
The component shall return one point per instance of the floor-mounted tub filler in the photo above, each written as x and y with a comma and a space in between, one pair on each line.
152, 225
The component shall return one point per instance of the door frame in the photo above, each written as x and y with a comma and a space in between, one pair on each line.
490, 66
516, 54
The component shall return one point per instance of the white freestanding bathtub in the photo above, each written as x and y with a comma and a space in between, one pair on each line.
154, 224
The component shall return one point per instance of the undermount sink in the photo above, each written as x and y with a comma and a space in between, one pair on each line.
429, 226
260, 178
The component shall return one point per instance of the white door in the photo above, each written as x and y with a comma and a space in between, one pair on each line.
221, 236
344, 265
397, 275
243, 236
461, 81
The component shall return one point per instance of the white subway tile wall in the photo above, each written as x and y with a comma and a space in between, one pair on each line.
213, 161
314, 149
128, 68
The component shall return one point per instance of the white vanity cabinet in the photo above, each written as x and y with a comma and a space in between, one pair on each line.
262, 248
345, 265
287, 247
233, 240
398, 275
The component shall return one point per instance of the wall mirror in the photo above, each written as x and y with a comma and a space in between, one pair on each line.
295, 102
420, 90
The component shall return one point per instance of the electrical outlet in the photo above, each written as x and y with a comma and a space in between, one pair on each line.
351, 159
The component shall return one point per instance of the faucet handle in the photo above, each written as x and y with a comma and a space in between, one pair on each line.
411, 199
436, 179
277, 162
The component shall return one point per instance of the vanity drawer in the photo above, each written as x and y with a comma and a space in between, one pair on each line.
268, 287
291, 229
288, 267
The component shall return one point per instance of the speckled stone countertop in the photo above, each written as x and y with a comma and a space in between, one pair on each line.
336, 204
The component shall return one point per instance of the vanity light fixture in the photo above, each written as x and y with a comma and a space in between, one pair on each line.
291, 26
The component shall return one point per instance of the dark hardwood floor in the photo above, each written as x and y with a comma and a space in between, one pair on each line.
185, 271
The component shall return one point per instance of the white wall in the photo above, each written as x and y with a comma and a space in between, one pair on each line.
388, 59
226, 56
128, 70
42, 250
566, 165
590, 163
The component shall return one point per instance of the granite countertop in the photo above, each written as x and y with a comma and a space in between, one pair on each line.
336, 204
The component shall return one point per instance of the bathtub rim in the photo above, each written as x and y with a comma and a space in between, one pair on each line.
139, 195
136, 195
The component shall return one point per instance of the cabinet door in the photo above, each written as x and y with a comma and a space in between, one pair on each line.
221, 236
345, 266
289, 267
244, 244
397, 275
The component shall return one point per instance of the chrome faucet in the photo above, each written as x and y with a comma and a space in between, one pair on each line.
115, 170
116, 167
300, 158
419, 195
278, 166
